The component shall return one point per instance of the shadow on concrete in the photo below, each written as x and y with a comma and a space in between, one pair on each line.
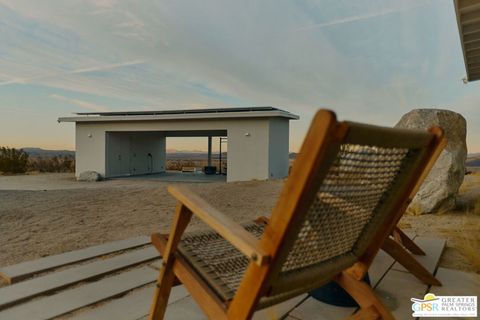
177, 176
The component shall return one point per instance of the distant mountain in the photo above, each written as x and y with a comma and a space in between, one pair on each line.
185, 155
473, 160
38, 152
185, 151
473, 163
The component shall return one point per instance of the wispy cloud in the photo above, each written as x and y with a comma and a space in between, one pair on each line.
82, 104
223, 53
359, 17
72, 72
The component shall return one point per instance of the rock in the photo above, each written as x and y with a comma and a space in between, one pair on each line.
90, 176
439, 190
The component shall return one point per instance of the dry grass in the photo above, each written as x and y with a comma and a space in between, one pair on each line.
470, 195
469, 184
465, 240
475, 209
469, 240
460, 227
469, 247
414, 209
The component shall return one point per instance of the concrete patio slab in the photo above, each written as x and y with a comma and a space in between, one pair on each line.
433, 248
96, 300
30, 288
395, 291
17, 272
380, 272
134, 305
457, 282
177, 176
280, 310
76, 298
313, 309
382, 263
185, 308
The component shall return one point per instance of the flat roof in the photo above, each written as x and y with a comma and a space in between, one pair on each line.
214, 113
468, 19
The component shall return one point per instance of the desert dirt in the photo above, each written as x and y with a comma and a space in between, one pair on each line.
47, 214
52, 217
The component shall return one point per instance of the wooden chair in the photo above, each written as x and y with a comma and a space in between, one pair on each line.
346, 192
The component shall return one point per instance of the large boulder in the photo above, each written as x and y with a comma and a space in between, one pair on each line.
439, 190
90, 176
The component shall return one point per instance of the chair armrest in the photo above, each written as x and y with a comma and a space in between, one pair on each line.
231, 231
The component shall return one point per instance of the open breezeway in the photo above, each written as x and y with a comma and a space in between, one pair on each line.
130, 153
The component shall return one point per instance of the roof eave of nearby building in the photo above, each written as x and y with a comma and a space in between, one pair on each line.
470, 9
199, 116
457, 13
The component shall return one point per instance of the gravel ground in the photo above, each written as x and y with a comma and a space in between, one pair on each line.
58, 218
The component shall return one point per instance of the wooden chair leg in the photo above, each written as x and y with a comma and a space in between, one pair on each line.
162, 293
159, 241
166, 277
407, 242
370, 306
397, 252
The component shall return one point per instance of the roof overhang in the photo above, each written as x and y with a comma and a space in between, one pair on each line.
468, 19
192, 114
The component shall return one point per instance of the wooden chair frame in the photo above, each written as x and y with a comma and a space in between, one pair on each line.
318, 150
397, 245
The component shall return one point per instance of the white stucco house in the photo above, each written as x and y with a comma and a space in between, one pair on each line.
134, 143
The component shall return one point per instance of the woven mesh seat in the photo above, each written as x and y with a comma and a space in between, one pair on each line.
220, 264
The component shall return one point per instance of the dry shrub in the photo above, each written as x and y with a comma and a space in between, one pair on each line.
54, 164
178, 164
13, 160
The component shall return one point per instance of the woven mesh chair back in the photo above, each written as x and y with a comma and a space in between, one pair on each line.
370, 167
357, 182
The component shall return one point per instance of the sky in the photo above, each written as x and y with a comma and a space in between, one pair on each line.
368, 60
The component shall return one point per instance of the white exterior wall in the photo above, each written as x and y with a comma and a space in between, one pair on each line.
249, 153
247, 157
89, 148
